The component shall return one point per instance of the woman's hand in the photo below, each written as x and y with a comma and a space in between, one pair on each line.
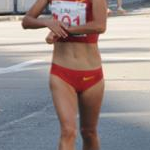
51, 38
57, 27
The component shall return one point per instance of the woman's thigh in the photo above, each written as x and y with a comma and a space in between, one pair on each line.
90, 102
65, 101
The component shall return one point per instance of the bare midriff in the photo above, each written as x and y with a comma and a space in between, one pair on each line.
75, 55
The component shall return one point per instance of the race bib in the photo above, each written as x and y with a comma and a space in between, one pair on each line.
71, 13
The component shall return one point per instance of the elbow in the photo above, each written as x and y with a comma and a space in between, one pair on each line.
100, 28
25, 23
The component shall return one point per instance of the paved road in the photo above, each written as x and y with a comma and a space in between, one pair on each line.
27, 117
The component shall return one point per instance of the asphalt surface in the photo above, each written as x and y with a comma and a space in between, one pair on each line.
27, 116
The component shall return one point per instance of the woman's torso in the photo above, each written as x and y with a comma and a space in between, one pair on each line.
82, 54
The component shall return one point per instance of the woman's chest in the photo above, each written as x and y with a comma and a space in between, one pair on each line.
72, 13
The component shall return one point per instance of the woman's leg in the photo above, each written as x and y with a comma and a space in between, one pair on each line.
89, 107
65, 102
120, 9
109, 11
119, 3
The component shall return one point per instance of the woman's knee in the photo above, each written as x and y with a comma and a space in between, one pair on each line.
68, 132
89, 133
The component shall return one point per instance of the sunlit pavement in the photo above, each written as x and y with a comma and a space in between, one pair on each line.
27, 117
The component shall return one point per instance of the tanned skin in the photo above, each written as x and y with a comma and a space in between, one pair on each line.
77, 56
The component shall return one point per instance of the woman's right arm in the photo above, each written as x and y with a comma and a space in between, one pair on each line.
31, 20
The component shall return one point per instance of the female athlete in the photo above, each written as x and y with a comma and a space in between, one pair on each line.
76, 77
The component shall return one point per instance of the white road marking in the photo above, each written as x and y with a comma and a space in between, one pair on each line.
21, 66
124, 114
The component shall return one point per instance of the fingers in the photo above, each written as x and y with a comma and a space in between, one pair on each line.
60, 32
51, 38
64, 33
58, 28
64, 26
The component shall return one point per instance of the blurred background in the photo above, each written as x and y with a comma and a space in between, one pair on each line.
27, 117
21, 6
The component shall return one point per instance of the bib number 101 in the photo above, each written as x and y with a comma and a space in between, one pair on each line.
69, 21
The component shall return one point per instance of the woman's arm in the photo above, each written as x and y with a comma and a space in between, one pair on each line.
31, 20
98, 25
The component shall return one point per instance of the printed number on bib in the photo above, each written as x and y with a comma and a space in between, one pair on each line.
71, 13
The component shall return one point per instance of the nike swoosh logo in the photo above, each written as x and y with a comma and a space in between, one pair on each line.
88, 78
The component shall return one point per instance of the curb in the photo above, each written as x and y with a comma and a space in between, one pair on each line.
17, 17
11, 18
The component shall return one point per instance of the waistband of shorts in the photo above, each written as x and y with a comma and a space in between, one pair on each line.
61, 68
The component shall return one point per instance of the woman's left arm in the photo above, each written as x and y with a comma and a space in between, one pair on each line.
98, 25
